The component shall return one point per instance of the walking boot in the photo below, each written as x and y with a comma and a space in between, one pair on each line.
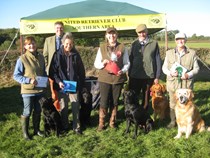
173, 119
102, 115
112, 122
36, 122
25, 125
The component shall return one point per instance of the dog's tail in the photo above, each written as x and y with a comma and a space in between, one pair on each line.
208, 128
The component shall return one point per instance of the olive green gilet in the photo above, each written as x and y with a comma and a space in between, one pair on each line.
143, 64
33, 66
106, 77
187, 61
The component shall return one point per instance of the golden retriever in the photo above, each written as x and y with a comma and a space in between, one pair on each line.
160, 103
188, 117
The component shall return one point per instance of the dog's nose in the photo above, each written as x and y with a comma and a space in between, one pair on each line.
183, 99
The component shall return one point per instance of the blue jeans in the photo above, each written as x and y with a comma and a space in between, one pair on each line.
30, 102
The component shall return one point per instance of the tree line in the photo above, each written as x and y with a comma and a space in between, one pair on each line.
7, 36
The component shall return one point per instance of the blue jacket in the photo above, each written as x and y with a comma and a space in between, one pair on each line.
65, 67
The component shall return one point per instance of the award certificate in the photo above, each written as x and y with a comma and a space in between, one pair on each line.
69, 86
42, 81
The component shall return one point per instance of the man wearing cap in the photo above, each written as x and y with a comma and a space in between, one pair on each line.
113, 62
145, 68
186, 59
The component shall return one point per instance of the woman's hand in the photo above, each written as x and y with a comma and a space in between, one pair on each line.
61, 85
33, 81
119, 73
105, 62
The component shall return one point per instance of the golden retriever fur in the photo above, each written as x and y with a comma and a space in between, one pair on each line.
160, 103
188, 117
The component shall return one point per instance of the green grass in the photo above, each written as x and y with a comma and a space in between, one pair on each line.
107, 144
190, 44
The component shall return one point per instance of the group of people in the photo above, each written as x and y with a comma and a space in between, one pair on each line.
61, 61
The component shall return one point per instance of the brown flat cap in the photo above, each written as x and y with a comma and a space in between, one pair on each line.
111, 29
141, 27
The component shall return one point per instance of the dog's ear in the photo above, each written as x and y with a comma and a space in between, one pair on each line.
190, 94
176, 94
163, 87
151, 88
84, 90
42, 100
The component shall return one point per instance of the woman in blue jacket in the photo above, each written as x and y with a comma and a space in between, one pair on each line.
28, 67
67, 65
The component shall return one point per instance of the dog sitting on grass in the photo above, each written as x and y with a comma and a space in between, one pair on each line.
188, 117
52, 118
136, 114
160, 103
86, 107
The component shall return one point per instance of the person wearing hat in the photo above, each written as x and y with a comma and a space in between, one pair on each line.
180, 66
112, 60
145, 68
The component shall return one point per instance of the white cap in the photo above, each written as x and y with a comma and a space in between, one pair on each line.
180, 35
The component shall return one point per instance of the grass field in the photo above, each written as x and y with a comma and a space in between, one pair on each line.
107, 144
190, 44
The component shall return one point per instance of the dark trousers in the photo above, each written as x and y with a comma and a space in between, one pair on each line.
143, 86
110, 94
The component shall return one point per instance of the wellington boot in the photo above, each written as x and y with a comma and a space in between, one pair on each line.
36, 122
112, 122
102, 116
172, 124
25, 125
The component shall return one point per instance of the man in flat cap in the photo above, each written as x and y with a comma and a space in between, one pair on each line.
145, 65
180, 66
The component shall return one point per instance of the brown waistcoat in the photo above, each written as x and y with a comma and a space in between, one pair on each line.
104, 75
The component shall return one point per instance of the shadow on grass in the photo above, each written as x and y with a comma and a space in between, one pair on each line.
11, 101
202, 102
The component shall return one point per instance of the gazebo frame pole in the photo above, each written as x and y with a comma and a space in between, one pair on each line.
21, 44
166, 39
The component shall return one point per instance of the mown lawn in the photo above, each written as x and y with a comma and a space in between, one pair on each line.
107, 144
190, 44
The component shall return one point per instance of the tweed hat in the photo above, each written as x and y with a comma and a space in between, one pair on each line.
111, 29
141, 27
180, 35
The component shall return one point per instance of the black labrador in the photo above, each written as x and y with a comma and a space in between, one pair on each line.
136, 114
52, 118
86, 107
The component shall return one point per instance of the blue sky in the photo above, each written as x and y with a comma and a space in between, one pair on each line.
189, 16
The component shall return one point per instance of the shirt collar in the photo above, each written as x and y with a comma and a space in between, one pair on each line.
182, 53
144, 41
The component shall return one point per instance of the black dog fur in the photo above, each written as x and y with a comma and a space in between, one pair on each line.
52, 118
136, 114
86, 107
